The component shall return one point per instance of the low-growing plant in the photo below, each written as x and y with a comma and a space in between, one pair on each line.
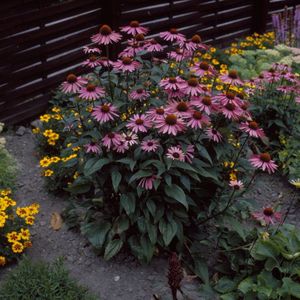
14, 227
39, 280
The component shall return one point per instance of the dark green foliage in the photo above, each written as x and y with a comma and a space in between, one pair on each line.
41, 281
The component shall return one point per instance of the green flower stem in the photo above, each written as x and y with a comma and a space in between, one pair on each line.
127, 85
108, 74
241, 149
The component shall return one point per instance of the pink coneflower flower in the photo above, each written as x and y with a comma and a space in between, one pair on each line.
172, 35
170, 124
139, 94
92, 62
267, 216
127, 64
297, 99
175, 153
213, 135
138, 123
111, 139
227, 98
252, 129
147, 182
106, 36
271, 75
91, 92
134, 28
204, 103
153, 46
263, 161
284, 89
132, 50
193, 44
181, 108
88, 50
73, 84
175, 94
130, 138
179, 54
105, 112
150, 145
189, 153
121, 147
155, 113
231, 111
236, 184
203, 69
172, 83
244, 107
231, 78
92, 148
290, 77
198, 120
192, 87
105, 62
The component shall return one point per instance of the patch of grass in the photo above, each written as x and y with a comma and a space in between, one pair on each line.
42, 281
8, 169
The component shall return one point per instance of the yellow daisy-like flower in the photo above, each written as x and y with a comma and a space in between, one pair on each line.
17, 247
219, 87
2, 261
48, 173
215, 62
33, 209
55, 159
295, 183
29, 220
75, 149
45, 162
57, 117
13, 237
47, 132
25, 234
45, 118
265, 235
232, 175
212, 50
76, 174
5, 192
51, 142
36, 130
55, 109
22, 212
54, 136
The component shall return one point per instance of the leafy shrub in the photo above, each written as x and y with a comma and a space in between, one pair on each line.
147, 144
38, 280
7, 165
14, 223
261, 265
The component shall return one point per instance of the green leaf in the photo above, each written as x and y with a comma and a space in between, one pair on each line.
225, 285
128, 161
79, 186
245, 286
201, 270
168, 231
177, 193
290, 288
96, 232
147, 248
152, 232
140, 174
116, 178
97, 166
112, 248
128, 203
151, 206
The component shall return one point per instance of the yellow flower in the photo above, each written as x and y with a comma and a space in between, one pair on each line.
48, 173
54, 136
212, 50
24, 234
55, 159
215, 62
207, 56
22, 212
57, 117
75, 149
2, 261
17, 247
45, 162
219, 87
51, 142
172, 65
232, 175
29, 220
5, 192
55, 109
265, 235
295, 183
69, 145
13, 237
35, 130
47, 132
45, 118
76, 174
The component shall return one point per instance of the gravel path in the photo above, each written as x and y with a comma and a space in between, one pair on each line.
122, 278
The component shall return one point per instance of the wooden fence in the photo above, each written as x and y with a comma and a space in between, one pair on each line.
41, 40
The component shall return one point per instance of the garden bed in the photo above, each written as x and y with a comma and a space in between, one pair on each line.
123, 277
